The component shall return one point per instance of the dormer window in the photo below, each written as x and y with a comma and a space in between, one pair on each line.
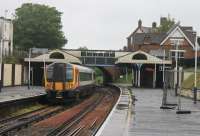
147, 39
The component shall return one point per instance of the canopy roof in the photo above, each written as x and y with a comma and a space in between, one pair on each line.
141, 57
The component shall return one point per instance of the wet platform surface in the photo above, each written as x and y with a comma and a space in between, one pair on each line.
117, 124
20, 92
147, 119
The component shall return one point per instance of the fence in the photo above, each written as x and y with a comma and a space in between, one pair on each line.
12, 74
185, 77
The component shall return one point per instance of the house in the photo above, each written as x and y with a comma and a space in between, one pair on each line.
6, 36
150, 40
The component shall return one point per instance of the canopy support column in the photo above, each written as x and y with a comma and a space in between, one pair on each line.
155, 77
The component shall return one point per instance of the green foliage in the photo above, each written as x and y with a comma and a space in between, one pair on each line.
98, 72
38, 26
123, 79
11, 60
99, 80
99, 76
166, 24
83, 48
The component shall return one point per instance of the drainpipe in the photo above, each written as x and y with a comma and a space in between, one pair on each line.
139, 68
126, 74
132, 74
155, 77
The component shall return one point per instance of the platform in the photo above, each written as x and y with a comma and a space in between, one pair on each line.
145, 118
118, 120
20, 92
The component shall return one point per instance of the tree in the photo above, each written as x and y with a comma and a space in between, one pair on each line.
38, 26
165, 24
83, 48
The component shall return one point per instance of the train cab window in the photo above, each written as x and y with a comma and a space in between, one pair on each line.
58, 73
50, 74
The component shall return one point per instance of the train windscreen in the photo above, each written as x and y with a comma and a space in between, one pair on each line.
50, 74
60, 72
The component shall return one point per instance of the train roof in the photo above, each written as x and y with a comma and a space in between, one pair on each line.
80, 68
84, 69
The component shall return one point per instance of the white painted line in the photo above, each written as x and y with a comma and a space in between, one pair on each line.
109, 116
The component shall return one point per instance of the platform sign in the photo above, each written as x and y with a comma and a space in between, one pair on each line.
39, 50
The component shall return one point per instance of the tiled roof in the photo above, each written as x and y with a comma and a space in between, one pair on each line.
146, 29
151, 38
188, 31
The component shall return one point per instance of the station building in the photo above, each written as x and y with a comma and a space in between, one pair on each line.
147, 52
178, 42
150, 40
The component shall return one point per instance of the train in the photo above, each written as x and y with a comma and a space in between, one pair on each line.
68, 81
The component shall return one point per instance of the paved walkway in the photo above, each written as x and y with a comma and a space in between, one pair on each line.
117, 122
147, 119
20, 92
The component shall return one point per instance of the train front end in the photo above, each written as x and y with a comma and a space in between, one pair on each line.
60, 80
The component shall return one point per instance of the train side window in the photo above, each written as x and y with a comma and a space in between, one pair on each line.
85, 76
69, 74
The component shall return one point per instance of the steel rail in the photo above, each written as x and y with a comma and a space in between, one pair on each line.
67, 126
24, 121
2, 121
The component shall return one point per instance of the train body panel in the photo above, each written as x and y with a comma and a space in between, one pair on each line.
66, 80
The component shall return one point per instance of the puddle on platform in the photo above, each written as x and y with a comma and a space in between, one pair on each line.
122, 106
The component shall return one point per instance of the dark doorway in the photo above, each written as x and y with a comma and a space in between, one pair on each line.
38, 73
147, 76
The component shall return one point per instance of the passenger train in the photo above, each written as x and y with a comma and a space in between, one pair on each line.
65, 80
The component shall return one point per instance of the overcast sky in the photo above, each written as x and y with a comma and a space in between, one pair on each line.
105, 24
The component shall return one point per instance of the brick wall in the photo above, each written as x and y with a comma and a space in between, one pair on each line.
189, 52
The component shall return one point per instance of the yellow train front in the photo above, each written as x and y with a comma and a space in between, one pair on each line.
68, 81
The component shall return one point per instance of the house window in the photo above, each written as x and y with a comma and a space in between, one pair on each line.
180, 54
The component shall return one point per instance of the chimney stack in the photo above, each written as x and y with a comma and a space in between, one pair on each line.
154, 25
140, 23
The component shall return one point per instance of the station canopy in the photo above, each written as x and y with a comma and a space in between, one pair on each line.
55, 56
140, 57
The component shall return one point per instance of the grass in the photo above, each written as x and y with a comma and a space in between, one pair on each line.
99, 80
191, 69
189, 82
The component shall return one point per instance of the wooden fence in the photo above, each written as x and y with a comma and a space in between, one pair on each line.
12, 75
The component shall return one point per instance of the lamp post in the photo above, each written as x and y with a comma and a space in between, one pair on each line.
195, 74
1, 47
29, 68
1, 84
176, 42
177, 51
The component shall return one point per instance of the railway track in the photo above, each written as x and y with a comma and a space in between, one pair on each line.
73, 126
9, 125
82, 120
67, 127
7, 119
